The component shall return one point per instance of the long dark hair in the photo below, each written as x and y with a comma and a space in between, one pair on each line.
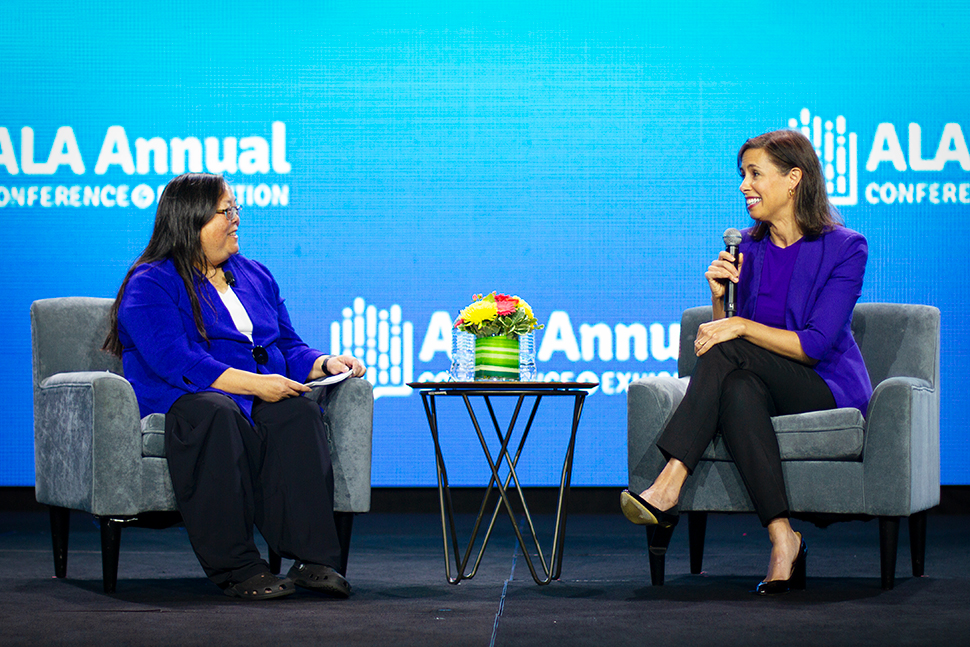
187, 204
788, 149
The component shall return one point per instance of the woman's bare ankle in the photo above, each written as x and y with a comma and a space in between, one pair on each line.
785, 544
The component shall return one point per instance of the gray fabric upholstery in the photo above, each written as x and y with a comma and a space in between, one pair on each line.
348, 417
93, 453
884, 464
834, 435
153, 435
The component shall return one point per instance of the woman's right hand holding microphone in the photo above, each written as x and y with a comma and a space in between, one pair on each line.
722, 269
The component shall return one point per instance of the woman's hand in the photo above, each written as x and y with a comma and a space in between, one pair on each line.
720, 330
269, 388
273, 388
336, 364
777, 340
722, 269
342, 363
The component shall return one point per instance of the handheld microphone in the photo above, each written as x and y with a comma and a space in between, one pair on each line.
732, 240
231, 280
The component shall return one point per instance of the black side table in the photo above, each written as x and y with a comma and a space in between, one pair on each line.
487, 390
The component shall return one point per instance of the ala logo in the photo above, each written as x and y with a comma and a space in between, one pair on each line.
382, 340
837, 150
385, 343
137, 167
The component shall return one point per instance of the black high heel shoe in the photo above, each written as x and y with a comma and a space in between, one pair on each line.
658, 538
795, 581
642, 513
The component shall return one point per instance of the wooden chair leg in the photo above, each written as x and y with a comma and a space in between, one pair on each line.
657, 562
345, 526
110, 549
60, 530
917, 541
888, 543
696, 530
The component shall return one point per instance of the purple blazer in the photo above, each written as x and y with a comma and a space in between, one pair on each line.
164, 355
826, 283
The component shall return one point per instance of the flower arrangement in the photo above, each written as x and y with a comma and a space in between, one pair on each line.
494, 315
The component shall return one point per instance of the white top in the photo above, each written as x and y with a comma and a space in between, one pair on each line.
239, 315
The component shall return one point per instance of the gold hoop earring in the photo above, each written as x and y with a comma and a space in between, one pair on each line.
791, 193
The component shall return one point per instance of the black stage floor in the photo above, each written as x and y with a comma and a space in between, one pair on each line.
401, 596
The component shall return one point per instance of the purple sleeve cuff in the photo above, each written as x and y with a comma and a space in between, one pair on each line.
813, 343
206, 371
300, 365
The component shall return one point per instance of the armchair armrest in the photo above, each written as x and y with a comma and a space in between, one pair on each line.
650, 403
348, 414
901, 457
87, 440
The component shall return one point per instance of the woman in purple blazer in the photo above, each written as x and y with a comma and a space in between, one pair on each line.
789, 350
205, 338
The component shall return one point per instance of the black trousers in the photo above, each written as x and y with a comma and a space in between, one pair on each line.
735, 389
229, 475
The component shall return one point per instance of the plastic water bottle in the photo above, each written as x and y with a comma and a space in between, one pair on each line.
527, 357
462, 356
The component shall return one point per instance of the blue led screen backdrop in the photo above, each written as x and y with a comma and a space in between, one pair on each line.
393, 160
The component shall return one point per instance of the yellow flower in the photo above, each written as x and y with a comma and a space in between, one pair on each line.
525, 306
479, 312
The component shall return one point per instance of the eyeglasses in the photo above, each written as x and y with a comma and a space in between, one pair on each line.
231, 213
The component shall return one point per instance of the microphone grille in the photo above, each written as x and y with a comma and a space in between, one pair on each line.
732, 237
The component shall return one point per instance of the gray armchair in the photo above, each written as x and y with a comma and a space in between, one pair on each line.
838, 464
93, 453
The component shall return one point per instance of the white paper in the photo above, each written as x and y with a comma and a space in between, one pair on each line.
330, 379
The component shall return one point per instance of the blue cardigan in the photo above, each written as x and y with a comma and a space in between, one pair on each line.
164, 355
826, 283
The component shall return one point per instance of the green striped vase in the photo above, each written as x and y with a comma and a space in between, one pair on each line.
496, 358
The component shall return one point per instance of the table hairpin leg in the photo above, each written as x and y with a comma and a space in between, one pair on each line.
559, 534
449, 533
444, 497
495, 479
493, 465
564, 483
513, 463
481, 510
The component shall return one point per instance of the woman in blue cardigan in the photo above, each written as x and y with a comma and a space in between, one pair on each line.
205, 338
789, 350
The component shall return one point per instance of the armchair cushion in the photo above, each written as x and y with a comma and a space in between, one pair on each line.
153, 435
834, 435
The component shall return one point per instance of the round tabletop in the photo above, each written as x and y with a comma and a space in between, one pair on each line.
499, 385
